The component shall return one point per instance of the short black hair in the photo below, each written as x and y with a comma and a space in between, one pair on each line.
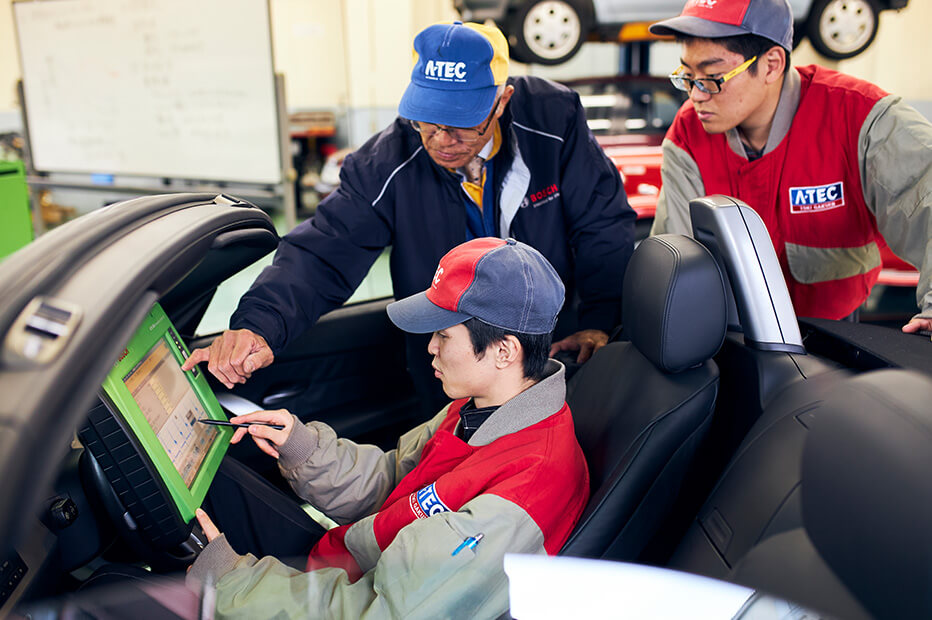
536, 346
747, 45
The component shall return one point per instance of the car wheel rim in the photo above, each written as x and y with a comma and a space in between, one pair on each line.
846, 25
551, 29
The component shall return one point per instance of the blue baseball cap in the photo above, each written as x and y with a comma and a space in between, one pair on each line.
714, 19
501, 282
457, 71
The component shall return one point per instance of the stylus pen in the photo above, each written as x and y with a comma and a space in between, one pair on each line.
277, 427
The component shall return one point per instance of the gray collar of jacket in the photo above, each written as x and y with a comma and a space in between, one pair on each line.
538, 402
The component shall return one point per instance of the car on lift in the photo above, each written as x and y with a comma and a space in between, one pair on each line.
724, 437
550, 32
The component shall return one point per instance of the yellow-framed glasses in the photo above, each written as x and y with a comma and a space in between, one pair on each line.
710, 86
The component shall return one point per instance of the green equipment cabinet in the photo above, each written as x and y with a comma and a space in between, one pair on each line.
15, 223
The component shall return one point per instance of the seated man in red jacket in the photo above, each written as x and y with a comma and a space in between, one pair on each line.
425, 526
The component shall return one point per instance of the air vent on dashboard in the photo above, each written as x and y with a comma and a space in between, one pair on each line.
41, 331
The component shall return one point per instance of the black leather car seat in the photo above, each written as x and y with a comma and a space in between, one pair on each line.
641, 406
863, 548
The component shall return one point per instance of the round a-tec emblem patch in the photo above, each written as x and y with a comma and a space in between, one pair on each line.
426, 503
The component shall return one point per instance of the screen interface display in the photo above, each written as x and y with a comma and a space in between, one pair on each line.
172, 409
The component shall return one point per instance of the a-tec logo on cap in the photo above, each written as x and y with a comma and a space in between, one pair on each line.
445, 71
817, 198
425, 503
704, 4
436, 280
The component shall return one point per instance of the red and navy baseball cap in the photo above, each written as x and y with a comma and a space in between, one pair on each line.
501, 282
714, 19
457, 71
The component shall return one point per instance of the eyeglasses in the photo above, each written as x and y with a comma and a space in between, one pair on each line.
465, 135
710, 86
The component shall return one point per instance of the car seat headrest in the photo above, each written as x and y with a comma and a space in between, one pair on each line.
866, 492
674, 306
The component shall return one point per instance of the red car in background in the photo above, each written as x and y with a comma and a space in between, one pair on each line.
629, 116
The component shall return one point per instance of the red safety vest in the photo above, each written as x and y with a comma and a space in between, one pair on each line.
807, 190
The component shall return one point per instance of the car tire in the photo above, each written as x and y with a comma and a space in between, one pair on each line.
548, 32
841, 29
799, 32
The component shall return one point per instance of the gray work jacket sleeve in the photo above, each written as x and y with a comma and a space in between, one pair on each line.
895, 160
681, 182
416, 576
343, 479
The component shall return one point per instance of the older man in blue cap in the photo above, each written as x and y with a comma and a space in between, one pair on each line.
472, 154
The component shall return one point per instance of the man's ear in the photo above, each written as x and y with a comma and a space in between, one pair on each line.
507, 351
506, 96
773, 63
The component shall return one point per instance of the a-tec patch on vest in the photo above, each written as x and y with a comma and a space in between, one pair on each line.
817, 198
426, 503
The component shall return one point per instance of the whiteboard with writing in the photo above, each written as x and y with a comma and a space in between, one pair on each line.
165, 88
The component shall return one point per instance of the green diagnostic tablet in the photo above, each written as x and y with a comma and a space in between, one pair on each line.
159, 460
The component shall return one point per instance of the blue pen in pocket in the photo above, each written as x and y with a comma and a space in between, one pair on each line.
470, 542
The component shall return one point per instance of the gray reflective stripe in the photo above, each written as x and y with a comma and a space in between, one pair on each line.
810, 265
537, 131
360, 541
394, 172
514, 189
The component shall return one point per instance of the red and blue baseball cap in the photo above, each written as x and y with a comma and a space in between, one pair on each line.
501, 282
457, 71
714, 19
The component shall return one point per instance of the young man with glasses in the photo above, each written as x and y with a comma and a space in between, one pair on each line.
830, 162
472, 154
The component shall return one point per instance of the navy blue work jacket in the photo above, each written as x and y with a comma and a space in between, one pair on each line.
554, 189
